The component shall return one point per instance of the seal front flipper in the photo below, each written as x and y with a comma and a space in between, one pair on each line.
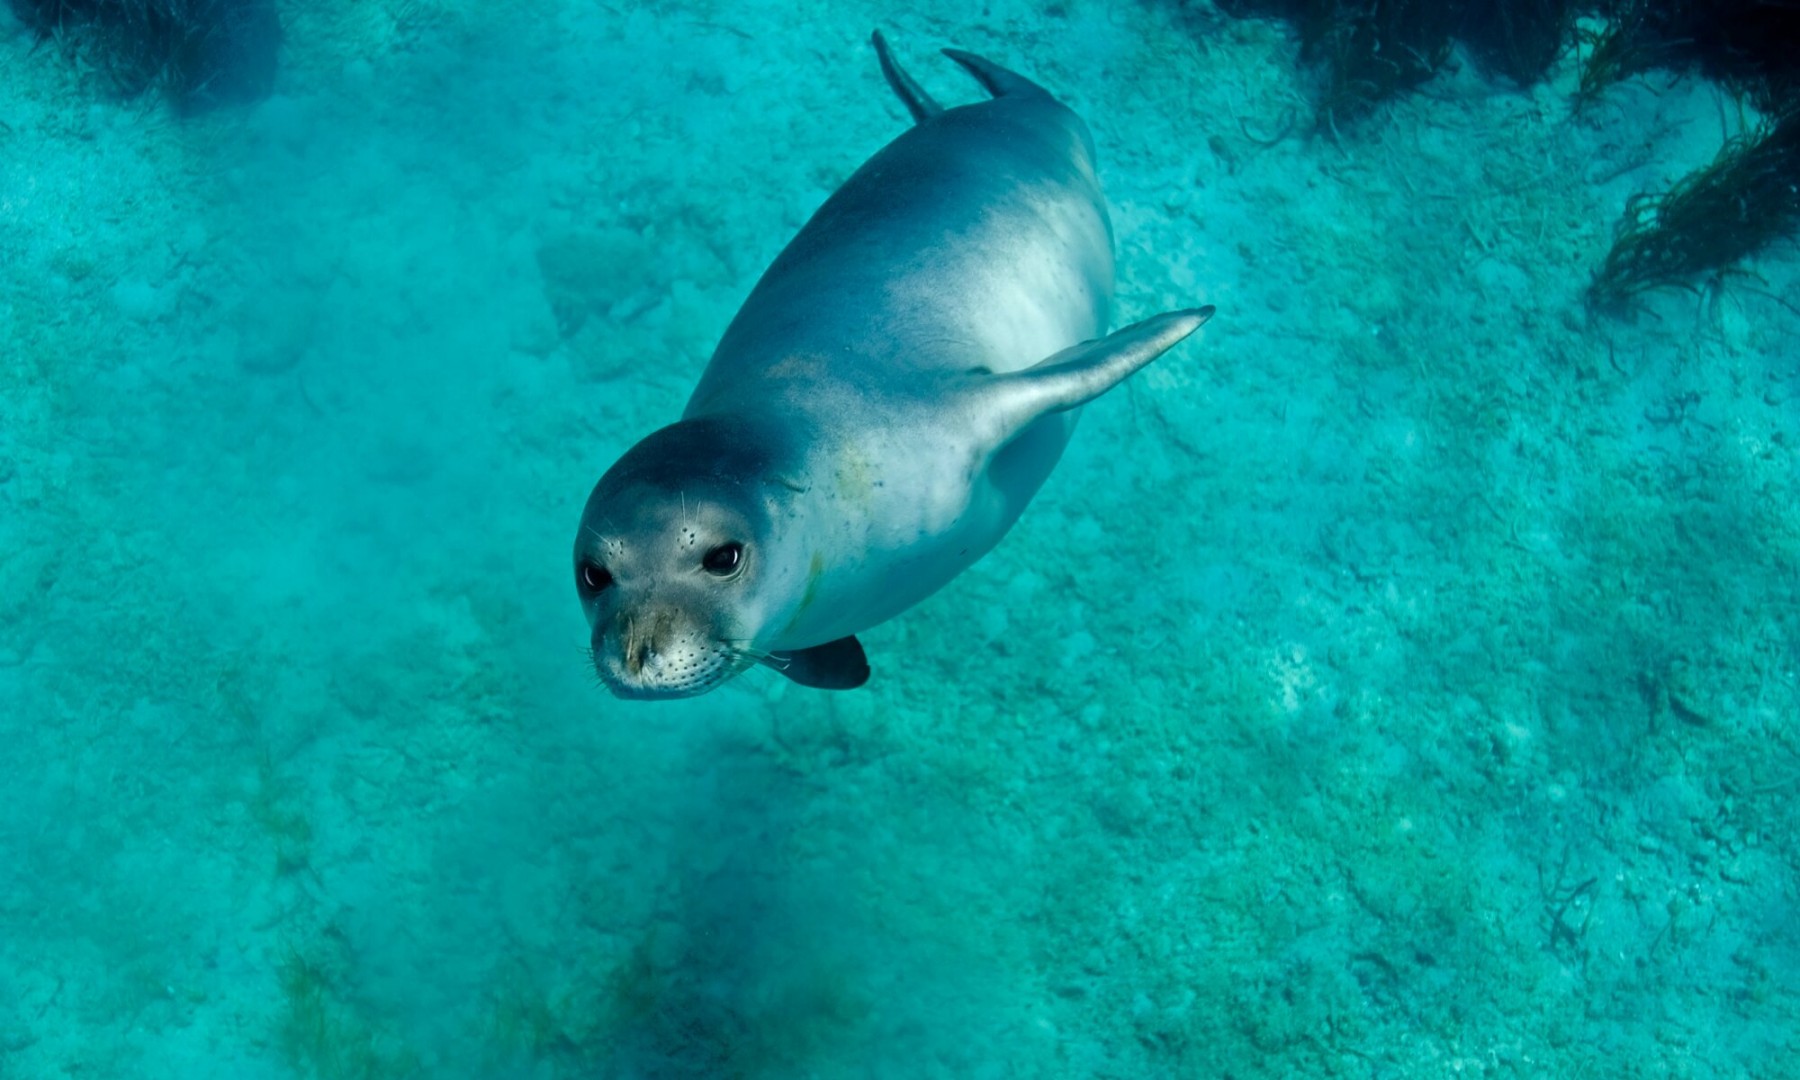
1083, 372
835, 665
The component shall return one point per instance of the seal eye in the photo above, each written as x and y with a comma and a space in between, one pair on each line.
592, 576
724, 559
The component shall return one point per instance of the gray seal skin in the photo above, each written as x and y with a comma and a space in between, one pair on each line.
892, 394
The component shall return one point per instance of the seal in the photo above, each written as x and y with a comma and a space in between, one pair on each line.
894, 391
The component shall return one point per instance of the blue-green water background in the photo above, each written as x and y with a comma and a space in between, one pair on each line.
1401, 681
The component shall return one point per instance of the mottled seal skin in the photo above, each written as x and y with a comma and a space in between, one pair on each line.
890, 397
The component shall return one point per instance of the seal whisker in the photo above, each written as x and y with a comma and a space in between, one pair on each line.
740, 649
744, 656
593, 667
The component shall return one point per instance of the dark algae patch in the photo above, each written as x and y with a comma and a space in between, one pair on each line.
200, 53
1747, 198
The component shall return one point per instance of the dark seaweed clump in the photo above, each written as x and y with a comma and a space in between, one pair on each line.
1368, 51
1518, 38
1633, 39
199, 52
1748, 197
1752, 46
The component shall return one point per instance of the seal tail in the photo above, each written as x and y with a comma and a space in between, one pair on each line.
907, 88
997, 80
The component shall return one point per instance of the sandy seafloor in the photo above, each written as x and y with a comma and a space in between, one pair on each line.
1400, 682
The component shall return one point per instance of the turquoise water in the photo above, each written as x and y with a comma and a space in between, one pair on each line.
1401, 681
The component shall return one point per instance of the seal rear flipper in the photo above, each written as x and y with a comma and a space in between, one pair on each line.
835, 665
911, 94
995, 79
1083, 372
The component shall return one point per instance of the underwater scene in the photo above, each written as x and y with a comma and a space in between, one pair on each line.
1397, 676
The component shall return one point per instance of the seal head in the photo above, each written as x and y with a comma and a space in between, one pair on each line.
665, 563
684, 561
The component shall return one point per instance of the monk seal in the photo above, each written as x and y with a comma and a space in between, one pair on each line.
892, 394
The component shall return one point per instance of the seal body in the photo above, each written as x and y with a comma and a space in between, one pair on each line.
893, 392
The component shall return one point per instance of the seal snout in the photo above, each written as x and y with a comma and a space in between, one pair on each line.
658, 656
640, 642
